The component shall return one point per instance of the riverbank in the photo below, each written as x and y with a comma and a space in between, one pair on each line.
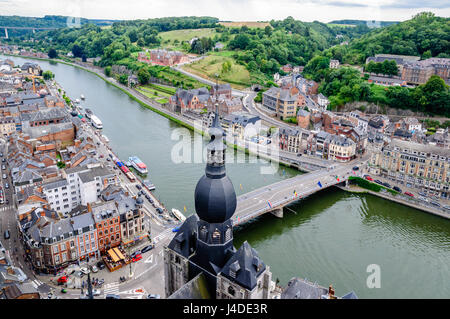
397, 199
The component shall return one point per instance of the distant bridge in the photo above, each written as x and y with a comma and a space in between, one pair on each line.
26, 28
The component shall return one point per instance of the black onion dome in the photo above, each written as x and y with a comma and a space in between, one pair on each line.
215, 199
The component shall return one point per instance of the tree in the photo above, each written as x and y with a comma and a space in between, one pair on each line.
108, 71
48, 75
426, 55
52, 53
143, 76
77, 51
226, 66
123, 78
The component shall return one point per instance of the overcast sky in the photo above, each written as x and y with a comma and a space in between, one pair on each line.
234, 10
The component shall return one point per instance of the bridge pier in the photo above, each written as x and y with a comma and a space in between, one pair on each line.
278, 212
6, 33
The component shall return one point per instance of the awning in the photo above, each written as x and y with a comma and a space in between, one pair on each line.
119, 254
113, 255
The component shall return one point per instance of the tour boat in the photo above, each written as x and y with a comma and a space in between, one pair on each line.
148, 185
77, 101
82, 97
138, 165
178, 215
96, 122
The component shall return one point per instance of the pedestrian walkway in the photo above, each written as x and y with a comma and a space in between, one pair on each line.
112, 288
6, 208
162, 235
36, 283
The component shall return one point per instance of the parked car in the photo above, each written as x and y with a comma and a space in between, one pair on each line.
409, 194
84, 270
3, 160
137, 252
112, 296
4, 176
95, 292
1, 154
176, 229
147, 248
422, 194
94, 268
368, 178
136, 258
299, 155
435, 204
153, 296
6, 185
101, 265
3, 167
139, 187
62, 280
355, 168
159, 210
6, 234
447, 207
378, 182
397, 189
387, 185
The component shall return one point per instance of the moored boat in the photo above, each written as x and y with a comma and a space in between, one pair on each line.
148, 185
178, 215
96, 122
82, 97
138, 165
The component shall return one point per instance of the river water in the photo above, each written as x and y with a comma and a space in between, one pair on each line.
331, 237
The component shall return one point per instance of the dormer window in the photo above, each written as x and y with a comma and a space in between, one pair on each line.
216, 237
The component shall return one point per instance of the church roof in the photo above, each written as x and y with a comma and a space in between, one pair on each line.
184, 241
244, 267
196, 288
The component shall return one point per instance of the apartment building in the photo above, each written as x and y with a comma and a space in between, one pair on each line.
283, 102
422, 166
80, 185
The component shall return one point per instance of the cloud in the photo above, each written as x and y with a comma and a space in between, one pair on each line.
235, 10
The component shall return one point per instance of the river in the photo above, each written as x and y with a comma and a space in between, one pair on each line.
330, 237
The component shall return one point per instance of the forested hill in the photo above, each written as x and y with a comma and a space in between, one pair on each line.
424, 35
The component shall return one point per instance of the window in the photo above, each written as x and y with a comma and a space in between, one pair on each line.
55, 249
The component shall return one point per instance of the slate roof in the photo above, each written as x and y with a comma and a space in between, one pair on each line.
246, 265
94, 172
302, 289
16, 290
184, 241
82, 221
196, 288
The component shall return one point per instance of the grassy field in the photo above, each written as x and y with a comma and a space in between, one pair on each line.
187, 34
238, 77
158, 97
250, 24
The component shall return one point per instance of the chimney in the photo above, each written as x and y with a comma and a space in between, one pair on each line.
42, 213
89, 207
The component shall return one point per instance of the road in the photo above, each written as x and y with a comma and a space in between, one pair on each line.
256, 202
